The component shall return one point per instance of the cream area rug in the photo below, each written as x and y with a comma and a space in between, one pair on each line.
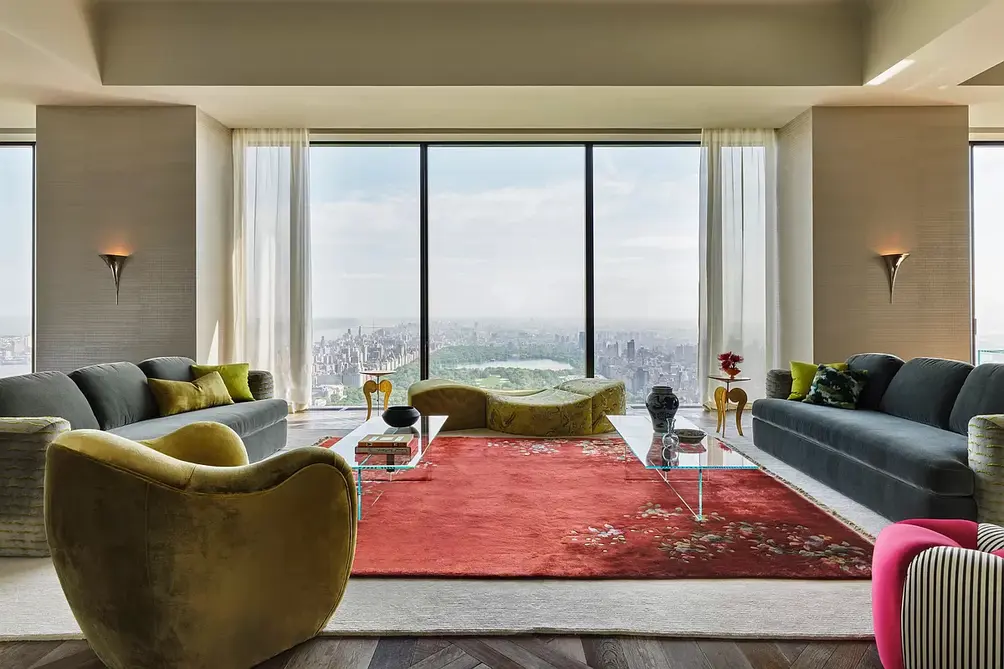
32, 606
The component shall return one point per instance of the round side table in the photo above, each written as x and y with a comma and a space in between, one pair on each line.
724, 395
377, 385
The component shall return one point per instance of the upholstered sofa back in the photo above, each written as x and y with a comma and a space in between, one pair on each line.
942, 393
118, 393
924, 390
46, 394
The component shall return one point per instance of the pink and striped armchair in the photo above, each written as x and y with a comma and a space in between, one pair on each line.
938, 595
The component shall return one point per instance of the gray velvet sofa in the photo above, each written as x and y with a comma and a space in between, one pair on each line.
37, 408
115, 397
904, 452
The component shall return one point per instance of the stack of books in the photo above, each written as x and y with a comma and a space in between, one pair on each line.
385, 444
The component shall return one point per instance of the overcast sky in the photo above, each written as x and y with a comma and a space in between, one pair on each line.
15, 238
988, 240
505, 233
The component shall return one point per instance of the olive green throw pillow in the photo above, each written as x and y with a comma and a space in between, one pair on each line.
234, 375
180, 396
802, 374
837, 388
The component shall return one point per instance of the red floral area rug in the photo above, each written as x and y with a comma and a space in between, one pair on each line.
578, 508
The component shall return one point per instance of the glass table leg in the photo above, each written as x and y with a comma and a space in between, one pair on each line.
700, 494
359, 494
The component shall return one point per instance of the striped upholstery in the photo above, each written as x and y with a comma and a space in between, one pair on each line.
986, 459
990, 538
953, 606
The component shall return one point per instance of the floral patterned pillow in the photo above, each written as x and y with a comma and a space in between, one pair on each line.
837, 388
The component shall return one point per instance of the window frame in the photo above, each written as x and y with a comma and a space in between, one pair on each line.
973, 144
687, 140
9, 141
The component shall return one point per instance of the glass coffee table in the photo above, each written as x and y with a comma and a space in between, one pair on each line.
709, 454
425, 430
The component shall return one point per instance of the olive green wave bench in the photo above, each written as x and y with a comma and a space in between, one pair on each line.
572, 408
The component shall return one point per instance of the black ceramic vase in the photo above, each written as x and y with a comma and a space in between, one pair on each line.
662, 404
401, 416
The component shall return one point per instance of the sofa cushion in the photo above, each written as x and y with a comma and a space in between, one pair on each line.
46, 394
117, 392
840, 388
982, 394
924, 456
170, 368
881, 368
244, 418
925, 390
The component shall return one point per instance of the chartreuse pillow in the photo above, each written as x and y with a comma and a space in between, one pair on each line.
836, 387
802, 374
234, 375
180, 396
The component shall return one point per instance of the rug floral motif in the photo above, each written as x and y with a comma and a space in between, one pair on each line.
581, 508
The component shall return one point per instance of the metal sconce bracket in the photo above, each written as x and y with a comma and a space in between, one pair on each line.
116, 263
892, 262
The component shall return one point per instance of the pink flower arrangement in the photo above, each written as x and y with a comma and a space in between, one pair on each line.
730, 362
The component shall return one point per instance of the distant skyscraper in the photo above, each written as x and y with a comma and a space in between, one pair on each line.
630, 349
640, 379
582, 341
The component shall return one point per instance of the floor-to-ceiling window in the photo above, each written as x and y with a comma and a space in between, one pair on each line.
541, 262
17, 215
506, 264
364, 210
646, 202
988, 238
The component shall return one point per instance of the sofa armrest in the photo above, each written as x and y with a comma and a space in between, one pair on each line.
946, 589
262, 384
779, 384
23, 443
986, 459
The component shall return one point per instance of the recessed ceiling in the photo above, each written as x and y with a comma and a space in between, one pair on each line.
49, 57
609, 2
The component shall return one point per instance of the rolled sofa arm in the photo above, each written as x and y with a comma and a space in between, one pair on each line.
262, 384
948, 588
779, 384
23, 442
986, 459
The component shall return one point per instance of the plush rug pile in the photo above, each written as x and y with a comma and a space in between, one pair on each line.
577, 508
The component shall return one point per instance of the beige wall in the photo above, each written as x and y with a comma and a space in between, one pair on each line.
794, 225
214, 204
151, 181
890, 179
366, 43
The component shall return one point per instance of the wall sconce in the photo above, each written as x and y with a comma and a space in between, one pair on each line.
116, 263
892, 263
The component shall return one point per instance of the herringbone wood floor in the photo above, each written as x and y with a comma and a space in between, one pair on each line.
523, 652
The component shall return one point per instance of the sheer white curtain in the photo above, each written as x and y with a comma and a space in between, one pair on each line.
271, 262
738, 305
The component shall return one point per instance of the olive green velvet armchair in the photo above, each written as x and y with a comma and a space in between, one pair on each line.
200, 562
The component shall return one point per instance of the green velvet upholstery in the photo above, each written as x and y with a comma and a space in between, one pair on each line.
174, 563
574, 408
548, 413
466, 407
608, 398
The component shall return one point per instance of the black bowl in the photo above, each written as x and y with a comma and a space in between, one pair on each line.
401, 416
